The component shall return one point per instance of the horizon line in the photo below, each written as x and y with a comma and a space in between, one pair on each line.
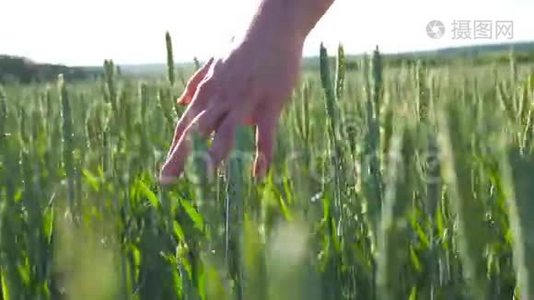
191, 61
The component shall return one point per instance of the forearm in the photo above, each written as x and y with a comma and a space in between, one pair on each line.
291, 19
311, 11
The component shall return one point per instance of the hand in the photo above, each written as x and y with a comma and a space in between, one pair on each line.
249, 85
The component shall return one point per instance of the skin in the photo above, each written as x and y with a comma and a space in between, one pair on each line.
249, 86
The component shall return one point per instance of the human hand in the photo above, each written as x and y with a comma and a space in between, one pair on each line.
250, 85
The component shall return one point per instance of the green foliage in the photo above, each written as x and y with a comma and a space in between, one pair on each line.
170, 58
388, 182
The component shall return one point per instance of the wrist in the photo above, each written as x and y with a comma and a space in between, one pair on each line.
309, 12
288, 21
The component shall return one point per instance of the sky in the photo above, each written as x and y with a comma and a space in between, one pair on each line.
76, 32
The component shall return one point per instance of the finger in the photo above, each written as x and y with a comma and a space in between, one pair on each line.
174, 165
213, 116
193, 83
224, 139
200, 103
265, 134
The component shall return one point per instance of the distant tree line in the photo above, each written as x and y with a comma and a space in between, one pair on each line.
23, 70
474, 57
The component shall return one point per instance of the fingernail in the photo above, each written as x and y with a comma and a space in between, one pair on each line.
260, 169
167, 180
166, 174
182, 100
185, 98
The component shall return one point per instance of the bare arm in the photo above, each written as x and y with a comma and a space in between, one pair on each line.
296, 17
250, 85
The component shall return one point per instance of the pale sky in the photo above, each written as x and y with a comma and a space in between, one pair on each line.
76, 32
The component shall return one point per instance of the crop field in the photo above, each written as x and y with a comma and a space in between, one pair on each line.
405, 182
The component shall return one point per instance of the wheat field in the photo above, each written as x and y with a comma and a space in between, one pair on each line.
405, 182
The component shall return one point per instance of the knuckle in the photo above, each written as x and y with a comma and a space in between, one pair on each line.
207, 87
